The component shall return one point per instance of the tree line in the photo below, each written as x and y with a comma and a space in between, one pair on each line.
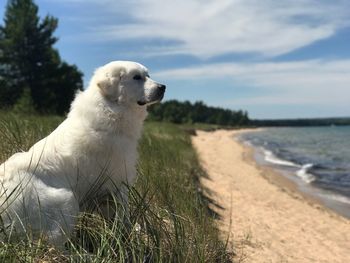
301, 122
33, 77
186, 112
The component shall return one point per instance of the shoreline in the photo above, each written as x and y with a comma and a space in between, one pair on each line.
289, 182
275, 177
266, 218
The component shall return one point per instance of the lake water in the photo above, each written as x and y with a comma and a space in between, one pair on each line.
317, 158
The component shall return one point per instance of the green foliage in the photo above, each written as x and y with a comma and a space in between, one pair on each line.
185, 112
170, 219
29, 61
25, 103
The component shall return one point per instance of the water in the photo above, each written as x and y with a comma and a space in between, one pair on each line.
317, 158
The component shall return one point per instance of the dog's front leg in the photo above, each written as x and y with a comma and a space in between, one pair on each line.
115, 205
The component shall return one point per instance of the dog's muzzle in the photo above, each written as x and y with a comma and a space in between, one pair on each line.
157, 96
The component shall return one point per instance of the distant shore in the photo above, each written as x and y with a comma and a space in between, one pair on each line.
265, 216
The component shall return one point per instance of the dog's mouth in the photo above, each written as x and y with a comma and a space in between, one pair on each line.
141, 103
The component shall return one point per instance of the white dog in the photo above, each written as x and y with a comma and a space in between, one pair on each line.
42, 189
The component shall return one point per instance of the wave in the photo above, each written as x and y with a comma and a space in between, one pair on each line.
304, 175
302, 172
247, 143
338, 198
271, 158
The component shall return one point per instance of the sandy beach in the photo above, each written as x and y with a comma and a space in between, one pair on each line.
264, 216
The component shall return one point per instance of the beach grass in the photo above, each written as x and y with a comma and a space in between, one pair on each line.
169, 217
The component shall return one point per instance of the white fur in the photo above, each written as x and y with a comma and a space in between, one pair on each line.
42, 189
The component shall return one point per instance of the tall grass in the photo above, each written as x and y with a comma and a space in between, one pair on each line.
169, 217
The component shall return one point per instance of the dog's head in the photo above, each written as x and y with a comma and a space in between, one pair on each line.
128, 83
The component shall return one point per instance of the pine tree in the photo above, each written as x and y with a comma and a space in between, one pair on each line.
29, 64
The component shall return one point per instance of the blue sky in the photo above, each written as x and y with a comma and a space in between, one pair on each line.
276, 59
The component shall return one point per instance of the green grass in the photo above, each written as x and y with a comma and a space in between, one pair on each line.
169, 216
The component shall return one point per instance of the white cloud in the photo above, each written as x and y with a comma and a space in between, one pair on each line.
209, 28
313, 82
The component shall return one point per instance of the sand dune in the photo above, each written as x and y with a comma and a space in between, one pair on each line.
266, 219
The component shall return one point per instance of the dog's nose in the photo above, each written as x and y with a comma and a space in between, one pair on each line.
161, 87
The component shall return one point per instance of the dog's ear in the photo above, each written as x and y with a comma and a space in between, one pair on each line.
103, 81
109, 84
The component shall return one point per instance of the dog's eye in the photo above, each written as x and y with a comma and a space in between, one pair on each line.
137, 77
